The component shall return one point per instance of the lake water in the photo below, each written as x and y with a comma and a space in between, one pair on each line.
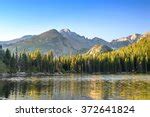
76, 87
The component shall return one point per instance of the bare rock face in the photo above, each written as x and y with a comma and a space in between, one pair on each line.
97, 49
81, 42
125, 41
75, 39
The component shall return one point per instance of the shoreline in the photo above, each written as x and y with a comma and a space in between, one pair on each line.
24, 74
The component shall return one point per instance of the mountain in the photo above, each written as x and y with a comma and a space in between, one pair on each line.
7, 43
79, 42
2, 42
50, 40
65, 42
96, 49
100, 41
125, 41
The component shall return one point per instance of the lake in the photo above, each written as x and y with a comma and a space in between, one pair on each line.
77, 87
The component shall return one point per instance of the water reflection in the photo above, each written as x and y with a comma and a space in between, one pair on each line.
77, 87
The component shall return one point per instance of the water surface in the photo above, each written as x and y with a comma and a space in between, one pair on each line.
77, 87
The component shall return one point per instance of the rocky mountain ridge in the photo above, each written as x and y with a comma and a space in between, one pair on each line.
65, 42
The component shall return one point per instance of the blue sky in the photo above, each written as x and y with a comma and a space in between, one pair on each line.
108, 19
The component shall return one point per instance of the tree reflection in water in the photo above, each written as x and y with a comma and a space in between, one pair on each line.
98, 87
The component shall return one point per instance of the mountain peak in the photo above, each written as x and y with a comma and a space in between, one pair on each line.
52, 31
65, 30
134, 36
48, 35
129, 38
97, 38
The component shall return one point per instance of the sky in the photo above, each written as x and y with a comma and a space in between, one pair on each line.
107, 19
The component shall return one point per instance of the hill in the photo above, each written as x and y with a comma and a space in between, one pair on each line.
135, 57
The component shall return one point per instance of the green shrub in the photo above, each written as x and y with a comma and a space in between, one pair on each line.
3, 68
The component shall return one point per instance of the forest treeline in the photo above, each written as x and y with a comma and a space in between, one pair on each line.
133, 58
